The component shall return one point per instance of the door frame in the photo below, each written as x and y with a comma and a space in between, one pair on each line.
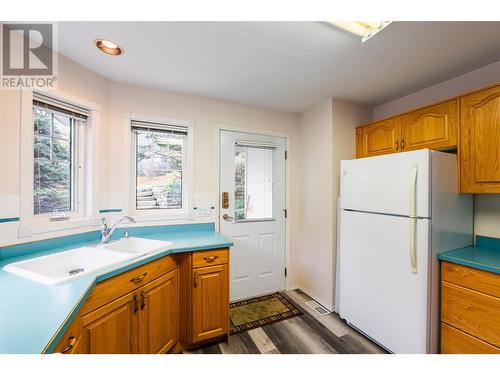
287, 136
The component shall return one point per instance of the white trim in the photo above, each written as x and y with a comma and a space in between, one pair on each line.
29, 224
219, 128
187, 212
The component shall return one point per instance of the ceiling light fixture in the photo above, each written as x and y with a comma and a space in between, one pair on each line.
364, 29
109, 47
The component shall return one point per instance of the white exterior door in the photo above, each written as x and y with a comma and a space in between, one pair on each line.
252, 188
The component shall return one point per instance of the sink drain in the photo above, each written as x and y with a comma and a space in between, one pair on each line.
76, 271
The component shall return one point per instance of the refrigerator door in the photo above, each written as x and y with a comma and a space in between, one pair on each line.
379, 293
384, 184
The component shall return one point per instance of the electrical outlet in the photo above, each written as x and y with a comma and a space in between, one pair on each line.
204, 211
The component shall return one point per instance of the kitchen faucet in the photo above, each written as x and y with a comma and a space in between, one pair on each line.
106, 232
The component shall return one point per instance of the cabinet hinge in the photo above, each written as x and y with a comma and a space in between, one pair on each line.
285, 211
286, 154
285, 272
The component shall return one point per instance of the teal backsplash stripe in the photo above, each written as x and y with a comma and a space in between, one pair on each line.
110, 210
8, 219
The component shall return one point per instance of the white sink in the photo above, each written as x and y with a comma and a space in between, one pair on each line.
135, 245
69, 265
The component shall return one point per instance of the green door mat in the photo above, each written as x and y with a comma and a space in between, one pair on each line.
259, 311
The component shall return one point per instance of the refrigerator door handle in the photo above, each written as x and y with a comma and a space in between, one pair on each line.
412, 219
413, 254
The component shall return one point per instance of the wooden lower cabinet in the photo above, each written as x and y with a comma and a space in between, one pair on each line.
125, 314
210, 302
111, 328
158, 329
470, 310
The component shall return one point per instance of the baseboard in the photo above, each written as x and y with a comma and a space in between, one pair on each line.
313, 296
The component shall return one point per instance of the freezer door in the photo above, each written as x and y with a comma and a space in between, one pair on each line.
384, 183
379, 293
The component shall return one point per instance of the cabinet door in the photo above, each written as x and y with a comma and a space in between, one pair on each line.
159, 314
480, 142
433, 127
112, 328
210, 302
382, 137
359, 143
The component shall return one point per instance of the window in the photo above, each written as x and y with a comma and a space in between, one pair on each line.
160, 165
253, 183
56, 152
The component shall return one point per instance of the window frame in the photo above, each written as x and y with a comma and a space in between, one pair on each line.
78, 158
39, 224
146, 215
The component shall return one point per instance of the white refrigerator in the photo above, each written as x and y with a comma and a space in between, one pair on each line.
396, 213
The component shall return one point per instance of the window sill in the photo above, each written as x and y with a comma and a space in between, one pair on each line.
30, 230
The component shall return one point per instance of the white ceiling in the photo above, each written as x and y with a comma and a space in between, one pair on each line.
283, 65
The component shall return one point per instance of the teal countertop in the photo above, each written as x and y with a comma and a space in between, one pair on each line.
33, 316
485, 255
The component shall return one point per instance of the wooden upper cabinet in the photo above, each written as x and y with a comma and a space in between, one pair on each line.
381, 137
159, 314
359, 143
480, 142
210, 302
432, 127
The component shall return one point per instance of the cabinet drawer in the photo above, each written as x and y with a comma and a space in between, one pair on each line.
454, 341
210, 258
69, 341
109, 290
473, 312
482, 281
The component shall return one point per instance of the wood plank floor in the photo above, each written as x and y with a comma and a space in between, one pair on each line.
309, 333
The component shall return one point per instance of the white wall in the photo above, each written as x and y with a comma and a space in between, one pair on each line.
326, 136
315, 254
487, 206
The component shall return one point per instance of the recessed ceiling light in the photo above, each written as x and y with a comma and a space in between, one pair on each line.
362, 28
109, 47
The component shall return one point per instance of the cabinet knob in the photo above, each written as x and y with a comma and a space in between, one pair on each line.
143, 300
136, 304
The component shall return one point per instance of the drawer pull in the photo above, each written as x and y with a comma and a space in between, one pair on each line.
143, 300
139, 278
71, 343
210, 259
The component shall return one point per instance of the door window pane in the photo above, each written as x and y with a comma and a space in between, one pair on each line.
253, 185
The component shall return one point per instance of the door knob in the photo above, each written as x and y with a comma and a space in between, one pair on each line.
227, 217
